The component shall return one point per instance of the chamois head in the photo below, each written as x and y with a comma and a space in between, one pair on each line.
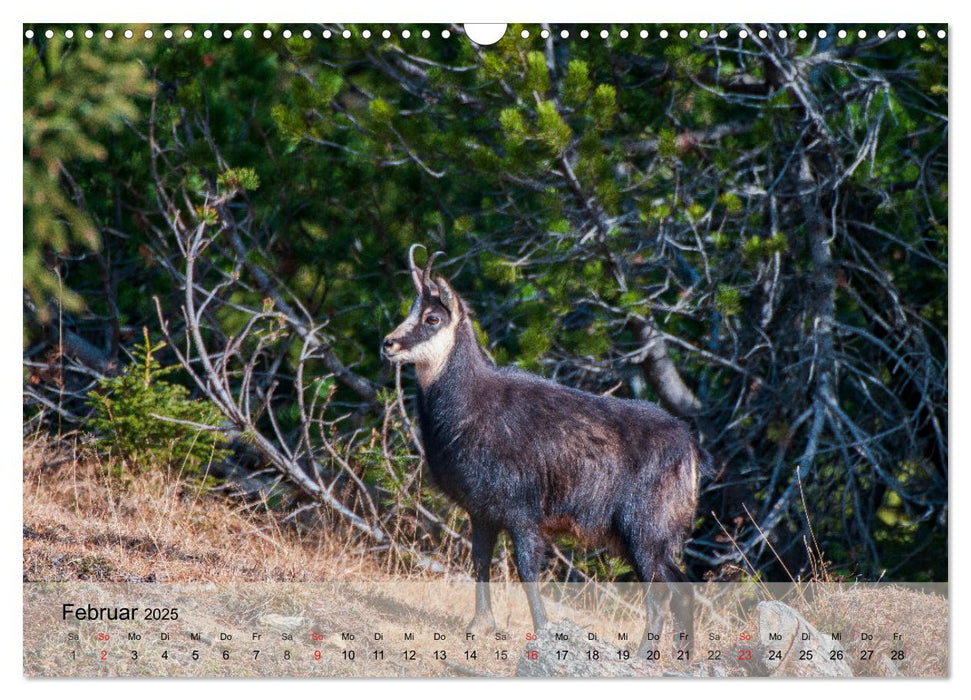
427, 336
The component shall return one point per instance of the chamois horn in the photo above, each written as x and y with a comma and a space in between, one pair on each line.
416, 276
428, 265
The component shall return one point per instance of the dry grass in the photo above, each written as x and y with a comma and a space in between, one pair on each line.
81, 524
921, 620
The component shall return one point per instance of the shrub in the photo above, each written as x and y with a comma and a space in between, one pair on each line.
147, 420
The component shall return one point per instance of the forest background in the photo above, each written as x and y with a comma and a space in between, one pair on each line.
751, 231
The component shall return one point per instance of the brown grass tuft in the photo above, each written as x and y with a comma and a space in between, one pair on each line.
81, 524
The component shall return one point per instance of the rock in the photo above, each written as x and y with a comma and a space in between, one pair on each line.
802, 651
562, 649
282, 622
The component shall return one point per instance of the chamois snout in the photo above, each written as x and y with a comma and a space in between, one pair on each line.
389, 347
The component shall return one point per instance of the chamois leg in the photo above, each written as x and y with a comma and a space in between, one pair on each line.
642, 552
657, 602
529, 547
666, 590
483, 543
683, 607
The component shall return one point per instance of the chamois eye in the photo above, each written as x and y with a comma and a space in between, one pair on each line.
432, 320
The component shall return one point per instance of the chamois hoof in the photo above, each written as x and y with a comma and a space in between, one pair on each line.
482, 626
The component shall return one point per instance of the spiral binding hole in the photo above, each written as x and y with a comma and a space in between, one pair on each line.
524, 33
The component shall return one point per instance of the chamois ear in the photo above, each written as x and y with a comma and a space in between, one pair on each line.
448, 296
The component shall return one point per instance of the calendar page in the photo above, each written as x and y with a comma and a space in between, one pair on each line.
464, 351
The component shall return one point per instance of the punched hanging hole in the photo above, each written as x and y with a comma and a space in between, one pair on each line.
485, 34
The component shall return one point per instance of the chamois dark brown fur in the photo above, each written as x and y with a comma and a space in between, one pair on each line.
525, 455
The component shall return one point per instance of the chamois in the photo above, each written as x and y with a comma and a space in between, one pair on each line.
534, 458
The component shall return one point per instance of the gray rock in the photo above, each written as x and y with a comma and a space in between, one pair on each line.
282, 622
802, 650
563, 649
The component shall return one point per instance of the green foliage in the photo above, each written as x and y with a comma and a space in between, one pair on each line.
731, 201
604, 106
576, 83
150, 421
637, 178
550, 127
537, 74
534, 341
75, 97
381, 112
498, 270
728, 300
513, 125
236, 179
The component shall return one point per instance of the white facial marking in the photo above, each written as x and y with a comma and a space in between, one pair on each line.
431, 356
